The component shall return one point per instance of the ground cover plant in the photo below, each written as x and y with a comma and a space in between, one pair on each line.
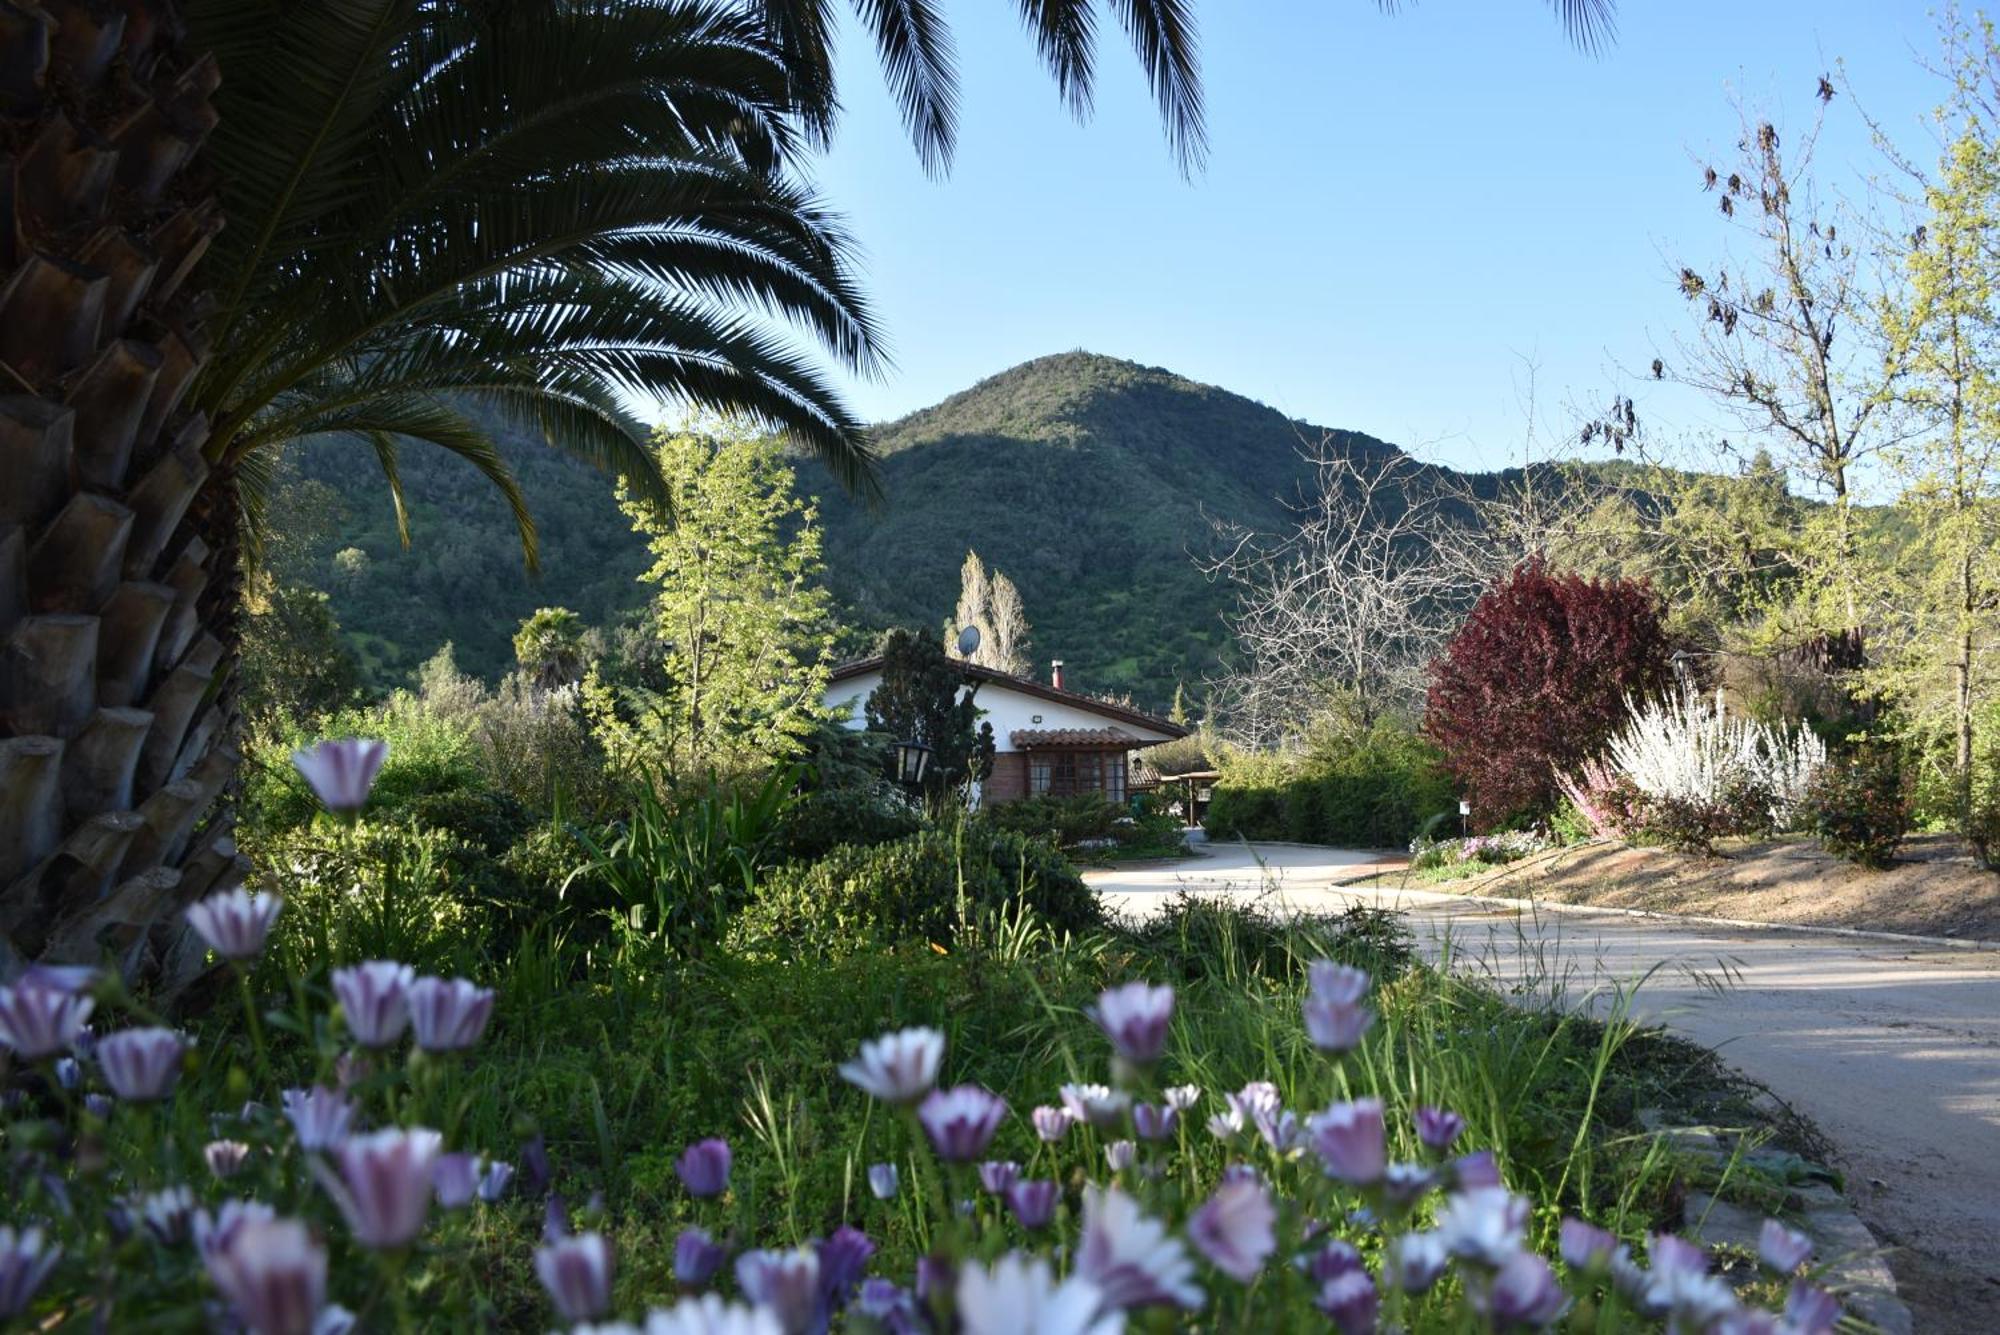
1265, 1122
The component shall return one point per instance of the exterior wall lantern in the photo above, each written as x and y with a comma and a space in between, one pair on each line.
912, 759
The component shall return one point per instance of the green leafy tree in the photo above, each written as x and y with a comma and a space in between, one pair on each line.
549, 646
1945, 327
740, 617
927, 698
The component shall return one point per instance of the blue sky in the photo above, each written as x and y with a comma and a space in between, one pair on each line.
1401, 216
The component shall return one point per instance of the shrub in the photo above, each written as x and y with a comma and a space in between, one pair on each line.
1203, 936
915, 888
381, 889
826, 818
1860, 808
1374, 789
1065, 821
1536, 681
490, 821
1695, 764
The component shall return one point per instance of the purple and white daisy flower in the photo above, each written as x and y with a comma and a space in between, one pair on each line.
141, 1064
961, 1121
448, 1014
1351, 1141
1019, 1295
341, 772
375, 1000
1235, 1227
235, 923
575, 1271
1132, 1257
320, 1117
384, 1184
899, 1067
1135, 1016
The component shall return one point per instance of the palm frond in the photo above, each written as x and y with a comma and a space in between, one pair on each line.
381, 421
1163, 33
916, 54
1065, 33
549, 207
392, 473
1591, 24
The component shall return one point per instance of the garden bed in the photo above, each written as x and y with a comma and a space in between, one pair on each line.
1935, 887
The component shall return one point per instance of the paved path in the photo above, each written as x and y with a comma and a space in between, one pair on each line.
1894, 1050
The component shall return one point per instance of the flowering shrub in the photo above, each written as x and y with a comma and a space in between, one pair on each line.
1686, 772
1491, 850
1686, 749
1606, 800
1860, 809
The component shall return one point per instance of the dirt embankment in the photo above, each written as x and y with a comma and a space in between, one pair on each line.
1935, 888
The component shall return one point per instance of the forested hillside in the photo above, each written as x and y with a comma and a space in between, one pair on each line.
1088, 480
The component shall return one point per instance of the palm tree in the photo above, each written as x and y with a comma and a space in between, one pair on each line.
430, 202
914, 45
549, 647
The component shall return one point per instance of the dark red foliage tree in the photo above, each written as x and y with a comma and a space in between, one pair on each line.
1536, 681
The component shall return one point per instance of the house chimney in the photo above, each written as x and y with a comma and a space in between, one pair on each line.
1055, 673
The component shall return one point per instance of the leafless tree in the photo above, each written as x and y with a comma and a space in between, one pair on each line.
989, 602
1783, 338
1347, 607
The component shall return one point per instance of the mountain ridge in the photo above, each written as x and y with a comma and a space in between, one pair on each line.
1090, 480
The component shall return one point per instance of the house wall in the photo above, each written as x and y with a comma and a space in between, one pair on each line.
1007, 710
1009, 779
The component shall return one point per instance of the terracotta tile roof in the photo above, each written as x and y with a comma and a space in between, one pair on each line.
1138, 718
1026, 737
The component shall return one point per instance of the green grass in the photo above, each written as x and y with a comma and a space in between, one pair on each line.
619, 1070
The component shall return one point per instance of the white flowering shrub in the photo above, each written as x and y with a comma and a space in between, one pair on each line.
1687, 750
1491, 850
312, 1207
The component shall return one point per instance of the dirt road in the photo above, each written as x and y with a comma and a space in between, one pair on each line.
1893, 1050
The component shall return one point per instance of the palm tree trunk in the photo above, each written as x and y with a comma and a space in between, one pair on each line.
118, 555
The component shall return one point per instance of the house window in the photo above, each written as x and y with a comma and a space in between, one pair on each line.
1067, 773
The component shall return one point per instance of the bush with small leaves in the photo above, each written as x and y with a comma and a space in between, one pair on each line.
1860, 808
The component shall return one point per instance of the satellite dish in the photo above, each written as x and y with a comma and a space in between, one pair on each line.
968, 642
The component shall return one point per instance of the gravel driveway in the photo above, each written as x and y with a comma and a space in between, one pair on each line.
1893, 1049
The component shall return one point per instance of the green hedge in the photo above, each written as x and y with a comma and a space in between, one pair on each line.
1378, 791
909, 890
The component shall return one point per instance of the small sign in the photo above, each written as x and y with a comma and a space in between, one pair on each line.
1464, 808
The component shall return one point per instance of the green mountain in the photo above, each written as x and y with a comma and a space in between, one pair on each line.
1090, 481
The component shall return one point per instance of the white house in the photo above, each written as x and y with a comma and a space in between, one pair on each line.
1046, 740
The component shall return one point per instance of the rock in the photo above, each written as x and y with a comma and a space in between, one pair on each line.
1718, 1223
1856, 1268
